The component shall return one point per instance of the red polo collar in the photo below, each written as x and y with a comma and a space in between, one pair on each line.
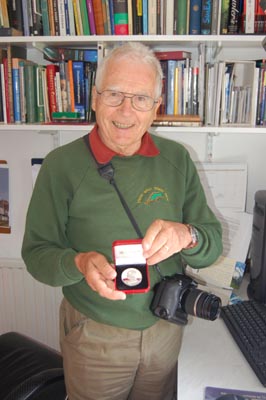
103, 154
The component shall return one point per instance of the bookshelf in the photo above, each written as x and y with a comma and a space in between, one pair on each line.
217, 47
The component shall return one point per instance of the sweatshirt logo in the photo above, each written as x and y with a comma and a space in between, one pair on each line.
152, 194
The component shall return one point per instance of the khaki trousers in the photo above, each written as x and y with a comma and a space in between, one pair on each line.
102, 362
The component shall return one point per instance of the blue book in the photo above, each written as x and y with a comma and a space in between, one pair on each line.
145, 17
67, 17
171, 65
206, 17
16, 94
111, 12
79, 87
194, 17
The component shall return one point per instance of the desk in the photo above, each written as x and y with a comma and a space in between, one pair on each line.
209, 356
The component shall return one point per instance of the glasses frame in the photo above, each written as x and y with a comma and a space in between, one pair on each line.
128, 96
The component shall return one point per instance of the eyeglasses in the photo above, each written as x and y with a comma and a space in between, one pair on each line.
140, 102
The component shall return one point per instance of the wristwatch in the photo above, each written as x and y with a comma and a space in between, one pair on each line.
194, 236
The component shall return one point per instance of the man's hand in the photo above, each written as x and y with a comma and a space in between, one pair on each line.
163, 239
99, 274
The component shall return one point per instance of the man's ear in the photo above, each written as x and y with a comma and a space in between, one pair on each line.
93, 100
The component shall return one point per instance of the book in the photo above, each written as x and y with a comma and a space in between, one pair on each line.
72, 27
16, 89
195, 17
225, 4
215, 393
62, 17
181, 17
137, 17
78, 80
51, 70
106, 17
4, 14
206, 17
172, 54
171, 65
98, 16
37, 27
77, 17
169, 17
91, 17
56, 54
56, 17
3, 93
234, 17
152, 17
31, 92
145, 16
40, 96
248, 17
70, 86
216, 17
51, 17
84, 17
120, 17
25, 16
45, 18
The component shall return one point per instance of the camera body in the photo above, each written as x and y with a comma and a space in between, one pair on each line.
177, 296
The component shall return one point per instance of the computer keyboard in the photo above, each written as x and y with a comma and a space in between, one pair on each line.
246, 322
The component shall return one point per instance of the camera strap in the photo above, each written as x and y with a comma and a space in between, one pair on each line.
107, 172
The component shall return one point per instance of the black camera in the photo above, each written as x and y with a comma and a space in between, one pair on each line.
177, 296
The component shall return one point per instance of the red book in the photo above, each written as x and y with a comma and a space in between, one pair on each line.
172, 55
8, 119
51, 70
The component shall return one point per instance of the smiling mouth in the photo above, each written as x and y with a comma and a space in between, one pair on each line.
122, 126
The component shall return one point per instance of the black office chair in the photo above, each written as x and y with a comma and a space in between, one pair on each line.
29, 370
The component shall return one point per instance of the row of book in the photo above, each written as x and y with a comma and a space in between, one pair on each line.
131, 17
216, 94
33, 93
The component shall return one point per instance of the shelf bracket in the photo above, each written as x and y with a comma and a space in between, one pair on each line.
209, 149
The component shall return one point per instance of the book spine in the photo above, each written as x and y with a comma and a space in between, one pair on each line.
61, 17
260, 17
67, 22
171, 65
84, 17
206, 17
195, 17
120, 17
30, 93
248, 21
9, 82
78, 78
71, 85
181, 17
16, 90
158, 18
45, 18
77, 19
98, 16
56, 18
37, 18
2, 77
145, 16
39, 94
224, 17
215, 17
50, 72
72, 29
137, 17
91, 17
111, 13
22, 91
51, 17
6, 86
234, 17
4, 13
63, 85
152, 25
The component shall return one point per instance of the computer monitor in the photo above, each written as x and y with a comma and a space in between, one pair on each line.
257, 286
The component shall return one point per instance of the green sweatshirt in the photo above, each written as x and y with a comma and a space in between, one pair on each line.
73, 210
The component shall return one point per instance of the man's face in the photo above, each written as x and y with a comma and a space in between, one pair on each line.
121, 128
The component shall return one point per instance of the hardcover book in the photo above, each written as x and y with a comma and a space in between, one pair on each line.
120, 17
206, 17
195, 17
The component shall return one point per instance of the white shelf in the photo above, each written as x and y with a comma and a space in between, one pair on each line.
189, 41
53, 129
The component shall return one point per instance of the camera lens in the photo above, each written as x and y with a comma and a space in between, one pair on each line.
201, 304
